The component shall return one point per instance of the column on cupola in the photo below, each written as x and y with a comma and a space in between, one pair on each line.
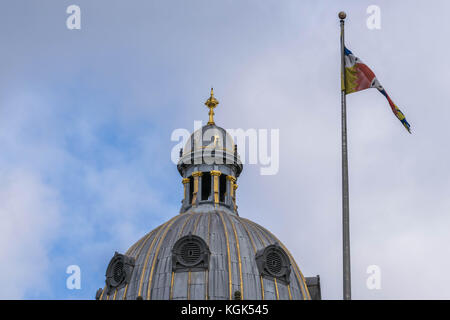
185, 182
197, 186
215, 185
230, 190
235, 186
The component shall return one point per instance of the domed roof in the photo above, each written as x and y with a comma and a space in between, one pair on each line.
209, 136
207, 251
235, 258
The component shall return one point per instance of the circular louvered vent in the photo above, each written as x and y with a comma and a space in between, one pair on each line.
274, 263
118, 272
190, 252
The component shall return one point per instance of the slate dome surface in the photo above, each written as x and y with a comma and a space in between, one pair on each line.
233, 242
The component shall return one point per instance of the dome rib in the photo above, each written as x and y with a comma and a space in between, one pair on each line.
228, 254
296, 268
254, 249
147, 256
137, 252
155, 257
264, 244
238, 255
180, 232
233, 242
189, 272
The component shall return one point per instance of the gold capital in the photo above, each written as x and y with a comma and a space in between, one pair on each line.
215, 172
197, 174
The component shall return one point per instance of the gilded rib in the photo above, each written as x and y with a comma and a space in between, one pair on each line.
148, 254
103, 291
228, 253
171, 287
207, 272
254, 249
155, 257
276, 288
238, 254
179, 235
300, 277
135, 254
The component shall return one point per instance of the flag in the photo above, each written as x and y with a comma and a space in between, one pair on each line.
358, 76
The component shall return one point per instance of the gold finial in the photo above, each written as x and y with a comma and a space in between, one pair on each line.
211, 103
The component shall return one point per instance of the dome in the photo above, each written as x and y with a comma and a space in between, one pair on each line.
234, 245
207, 251
209, 137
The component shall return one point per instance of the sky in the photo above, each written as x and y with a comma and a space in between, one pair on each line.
86, 118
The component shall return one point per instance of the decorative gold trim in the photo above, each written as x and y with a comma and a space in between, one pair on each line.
196, 176
189, 286
228, 254
185, 180
125, 291
264, 244
232, 182
239, 256
289, 291
276, 288
155, 257
103, 291
188, 218
300, 277
216, 174
262, 286
207, 272
135, 254
171, 286
193, 231
196, 222
257, 231
198, 148
254, 249
178, 236
115, 293
148, 254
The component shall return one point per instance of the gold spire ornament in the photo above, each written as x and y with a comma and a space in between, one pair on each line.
211, 103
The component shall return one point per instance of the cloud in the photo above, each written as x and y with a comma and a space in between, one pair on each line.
30, 217
85, 124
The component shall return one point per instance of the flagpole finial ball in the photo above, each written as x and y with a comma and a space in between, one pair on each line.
342, 15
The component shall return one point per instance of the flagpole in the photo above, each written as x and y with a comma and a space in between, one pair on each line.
345, 201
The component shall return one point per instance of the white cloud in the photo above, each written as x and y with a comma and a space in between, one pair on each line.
30, 217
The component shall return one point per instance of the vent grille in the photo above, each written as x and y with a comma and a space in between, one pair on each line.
118, 272
190, 252
274, 263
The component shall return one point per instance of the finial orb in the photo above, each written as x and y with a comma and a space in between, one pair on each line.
342, 15
211, 103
